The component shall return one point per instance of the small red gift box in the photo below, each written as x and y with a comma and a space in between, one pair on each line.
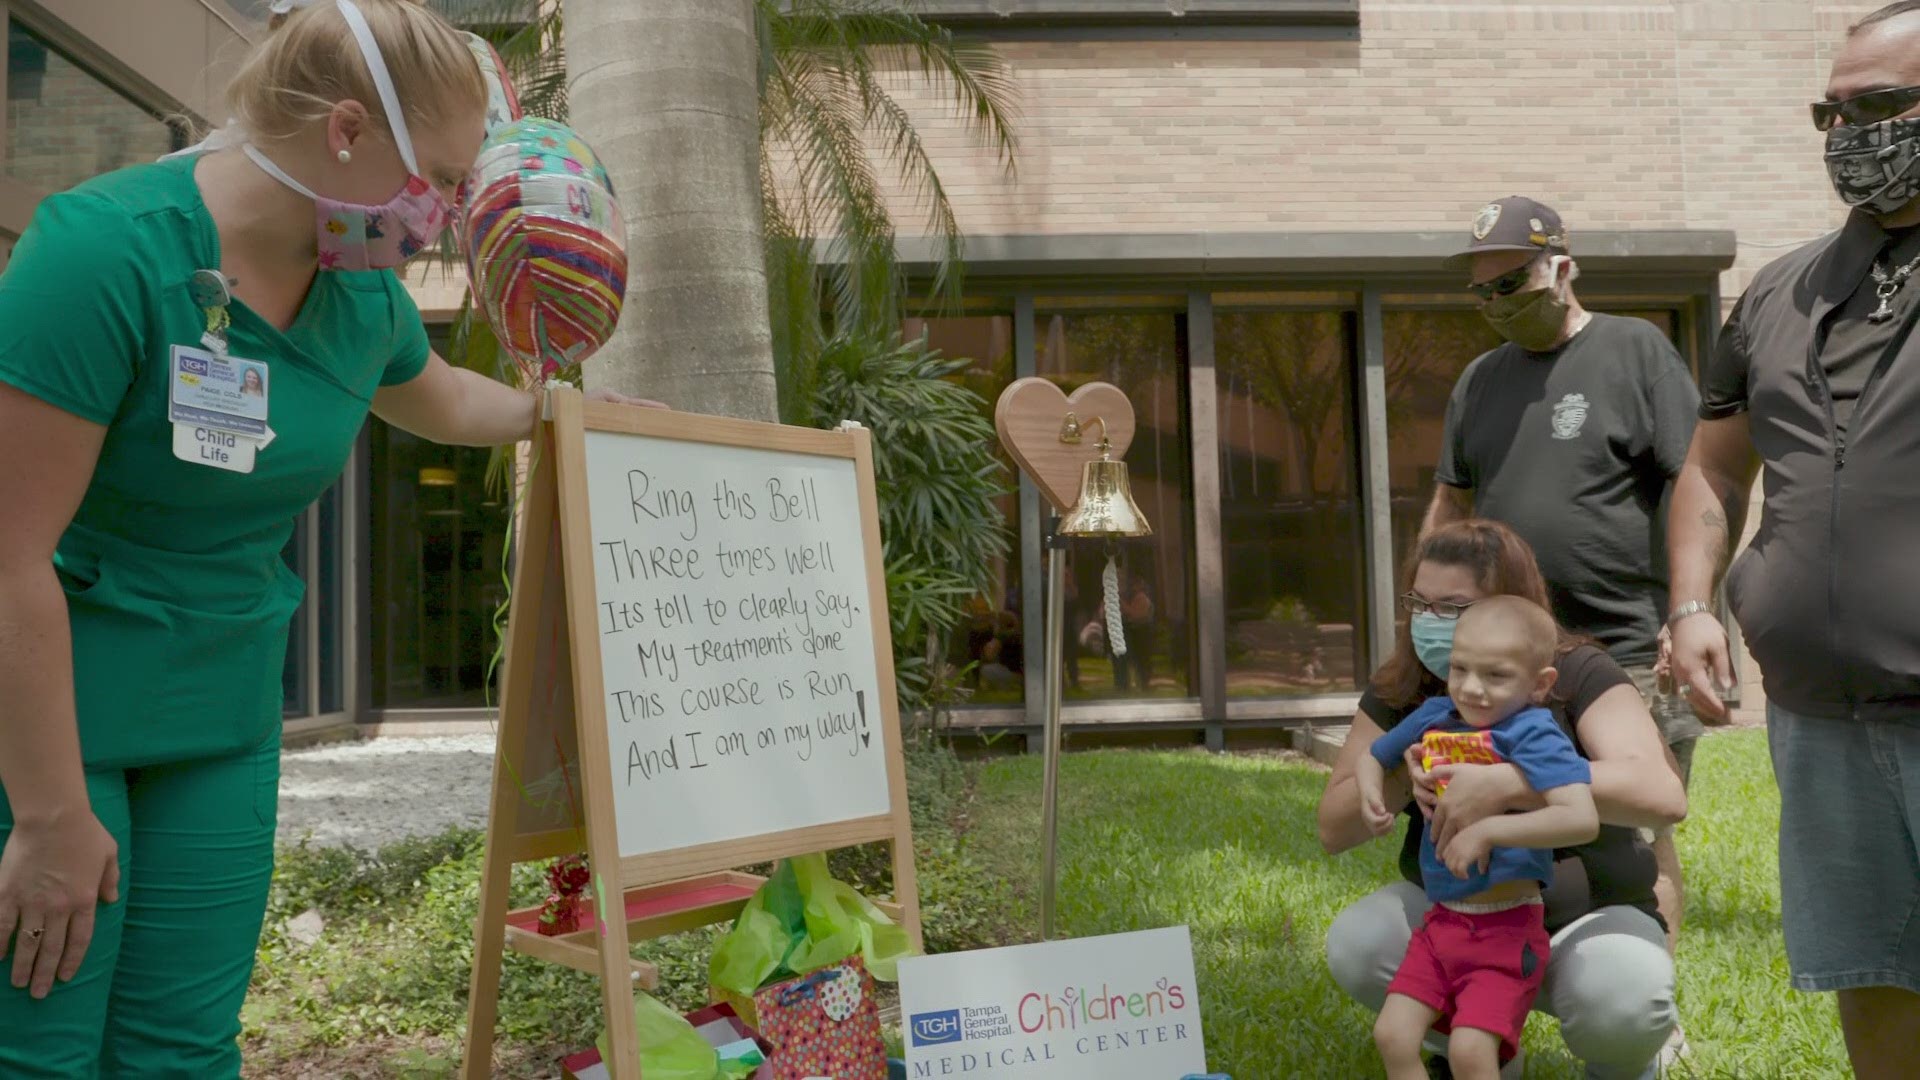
565, 914
823, 1024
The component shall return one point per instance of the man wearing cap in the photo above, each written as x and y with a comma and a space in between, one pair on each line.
1571, 433
1815, 380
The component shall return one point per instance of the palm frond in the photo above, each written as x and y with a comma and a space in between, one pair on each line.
833, 47
836, 181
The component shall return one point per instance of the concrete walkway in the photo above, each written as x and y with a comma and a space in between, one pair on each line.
366, 794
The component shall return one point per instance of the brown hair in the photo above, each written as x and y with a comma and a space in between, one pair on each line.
1502, 565
311, 61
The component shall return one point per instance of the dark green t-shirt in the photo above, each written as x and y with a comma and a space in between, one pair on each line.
177, 594
1574, 449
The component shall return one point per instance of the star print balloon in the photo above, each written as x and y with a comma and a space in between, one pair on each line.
545, 245
503, 105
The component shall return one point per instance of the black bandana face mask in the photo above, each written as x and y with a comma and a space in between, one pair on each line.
1876, 167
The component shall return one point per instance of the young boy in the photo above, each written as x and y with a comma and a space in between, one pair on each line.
1477, 962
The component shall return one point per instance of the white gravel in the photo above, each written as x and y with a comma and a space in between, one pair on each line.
367, 794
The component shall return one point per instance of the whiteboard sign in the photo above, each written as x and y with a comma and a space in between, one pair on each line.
736, 641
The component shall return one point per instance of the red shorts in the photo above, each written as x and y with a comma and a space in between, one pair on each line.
1477, 970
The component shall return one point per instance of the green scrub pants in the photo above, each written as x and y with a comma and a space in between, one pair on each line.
160, 991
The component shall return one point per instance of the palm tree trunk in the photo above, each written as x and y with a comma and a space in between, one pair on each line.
667, 92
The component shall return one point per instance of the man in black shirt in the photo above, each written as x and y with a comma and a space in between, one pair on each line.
1817, 377
1571, 434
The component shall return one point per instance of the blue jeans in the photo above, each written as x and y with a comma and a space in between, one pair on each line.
1849, 875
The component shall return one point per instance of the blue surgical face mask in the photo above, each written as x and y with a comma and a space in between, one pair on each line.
1433, 641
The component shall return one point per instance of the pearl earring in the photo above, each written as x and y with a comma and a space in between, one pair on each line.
344, 156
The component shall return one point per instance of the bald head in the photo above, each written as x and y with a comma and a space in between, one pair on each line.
1512, 625
1882, 52
1884, 15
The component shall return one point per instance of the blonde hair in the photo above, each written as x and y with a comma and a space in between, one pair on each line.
310, 61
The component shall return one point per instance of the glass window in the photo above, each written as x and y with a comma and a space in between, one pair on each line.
294, 673
438, 577
64, 125
1291, 526
1426, 350
992, 642
324, 591
1144, 353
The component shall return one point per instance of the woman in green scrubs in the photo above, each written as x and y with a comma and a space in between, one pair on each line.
188, 351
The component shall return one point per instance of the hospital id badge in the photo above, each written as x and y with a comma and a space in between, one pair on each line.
214, 447
212, 390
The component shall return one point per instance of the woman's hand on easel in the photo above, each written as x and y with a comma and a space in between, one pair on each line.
54, 873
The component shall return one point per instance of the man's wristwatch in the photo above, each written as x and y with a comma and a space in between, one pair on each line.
1688, 610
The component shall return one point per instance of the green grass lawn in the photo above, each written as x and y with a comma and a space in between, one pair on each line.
1221, 843
1226, 846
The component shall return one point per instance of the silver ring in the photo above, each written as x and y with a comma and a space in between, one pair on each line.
35, 933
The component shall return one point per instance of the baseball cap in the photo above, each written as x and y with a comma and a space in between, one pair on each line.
1515, 223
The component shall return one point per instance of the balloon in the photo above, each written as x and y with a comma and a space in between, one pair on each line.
545, 244
503, 105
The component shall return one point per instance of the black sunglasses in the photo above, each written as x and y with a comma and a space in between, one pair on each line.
1864, 109
1506, 284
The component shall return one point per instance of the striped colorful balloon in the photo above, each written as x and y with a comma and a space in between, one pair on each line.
545, 244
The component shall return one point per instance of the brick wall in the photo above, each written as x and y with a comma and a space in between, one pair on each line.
1623, 114
64, 125
1656, 114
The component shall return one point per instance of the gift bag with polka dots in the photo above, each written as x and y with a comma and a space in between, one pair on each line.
823, 1024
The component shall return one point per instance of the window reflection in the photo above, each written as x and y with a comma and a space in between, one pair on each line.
1426, 350
1144, 354
1291, 524
64, 125
293, 670
438, 575
992, 643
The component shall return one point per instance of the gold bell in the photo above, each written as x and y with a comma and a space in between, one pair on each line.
1105, 506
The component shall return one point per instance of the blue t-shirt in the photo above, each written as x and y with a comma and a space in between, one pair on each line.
1530, 741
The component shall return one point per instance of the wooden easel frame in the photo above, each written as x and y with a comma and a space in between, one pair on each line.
553, 623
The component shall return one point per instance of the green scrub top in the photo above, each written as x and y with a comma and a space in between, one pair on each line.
177, 593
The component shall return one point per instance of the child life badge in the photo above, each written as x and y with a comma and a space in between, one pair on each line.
224, 392
218, 405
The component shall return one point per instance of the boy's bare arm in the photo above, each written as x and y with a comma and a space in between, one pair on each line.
1370, 780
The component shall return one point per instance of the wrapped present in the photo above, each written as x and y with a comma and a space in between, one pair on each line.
800, 921
567, 907
738, 1049
564, 914
826, 1023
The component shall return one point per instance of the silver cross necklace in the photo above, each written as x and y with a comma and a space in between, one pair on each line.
1886, 284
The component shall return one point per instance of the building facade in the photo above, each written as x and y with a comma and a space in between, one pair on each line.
1236, 210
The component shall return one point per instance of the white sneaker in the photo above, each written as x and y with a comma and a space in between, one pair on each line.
1671, 1053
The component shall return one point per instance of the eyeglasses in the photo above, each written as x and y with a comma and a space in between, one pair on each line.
1506, 284
1864, 109
1414, 604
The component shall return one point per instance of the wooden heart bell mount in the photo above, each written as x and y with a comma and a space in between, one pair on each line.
1033, 412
